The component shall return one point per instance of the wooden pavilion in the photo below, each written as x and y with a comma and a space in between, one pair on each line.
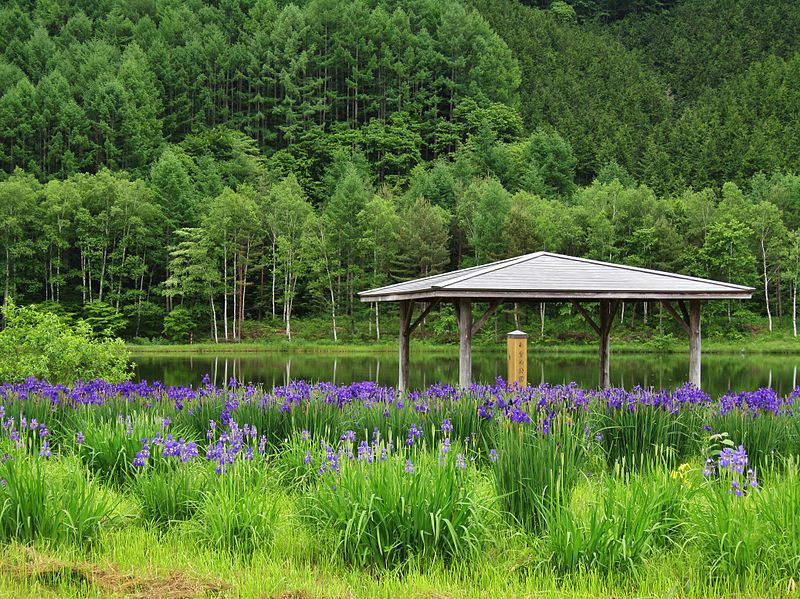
548, 277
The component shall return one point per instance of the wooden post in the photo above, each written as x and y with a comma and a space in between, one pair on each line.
694, 343
465, 345
406, 307
605, 345
517, 342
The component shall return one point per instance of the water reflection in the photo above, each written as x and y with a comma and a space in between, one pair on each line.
720, 372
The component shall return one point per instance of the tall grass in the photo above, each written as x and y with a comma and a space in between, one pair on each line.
170, 495
627, 433
393, 509
778, 507
769, 438
733, 540
630, 519
535, 471
55, 503
235, 516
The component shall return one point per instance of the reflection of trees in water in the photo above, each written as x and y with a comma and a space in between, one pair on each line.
720, 372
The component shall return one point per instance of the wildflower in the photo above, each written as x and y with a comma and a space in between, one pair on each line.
460, 461
348, 436
735, 488
308, 459
446, 426
304, 435
364, 452
751, 479
414, 433
709, 469
166, 422
492, 455
445, 445
409, 469
733, 460
45, 452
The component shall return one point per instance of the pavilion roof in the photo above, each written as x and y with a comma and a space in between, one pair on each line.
548, 276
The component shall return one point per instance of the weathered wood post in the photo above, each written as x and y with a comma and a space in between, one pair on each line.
406, 306
465, 342
605, 344
517, 342
694, 343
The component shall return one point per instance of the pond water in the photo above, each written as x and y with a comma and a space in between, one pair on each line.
720, 371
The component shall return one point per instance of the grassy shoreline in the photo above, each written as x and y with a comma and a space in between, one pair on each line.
754, 345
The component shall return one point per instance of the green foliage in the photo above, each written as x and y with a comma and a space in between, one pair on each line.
535, 472
56, 504
41, 345
170, 495
631, 520
178, 324
235, 516
389, 511
647, 436
250, 159
105, 320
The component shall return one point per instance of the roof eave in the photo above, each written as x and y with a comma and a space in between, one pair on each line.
744, 293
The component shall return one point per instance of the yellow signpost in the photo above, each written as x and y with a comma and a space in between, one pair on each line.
517, 358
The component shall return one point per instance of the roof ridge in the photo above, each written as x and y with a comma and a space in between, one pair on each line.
652, 271
491, 267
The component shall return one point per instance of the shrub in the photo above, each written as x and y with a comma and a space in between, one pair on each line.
178, 324
385, 508
42, 345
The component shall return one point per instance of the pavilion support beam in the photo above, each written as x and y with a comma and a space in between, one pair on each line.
464, 313
406, 309
689, 320
608, 309
694, 343
604, 380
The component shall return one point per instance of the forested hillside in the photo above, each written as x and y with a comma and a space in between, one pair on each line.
169, 166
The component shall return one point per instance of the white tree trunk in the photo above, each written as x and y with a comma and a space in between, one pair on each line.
766, 282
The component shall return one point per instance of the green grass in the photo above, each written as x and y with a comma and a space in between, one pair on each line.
762, 343
299, 563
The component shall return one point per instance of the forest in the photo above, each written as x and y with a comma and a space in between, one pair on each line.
177, 167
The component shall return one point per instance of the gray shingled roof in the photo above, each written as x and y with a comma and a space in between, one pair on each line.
544, 275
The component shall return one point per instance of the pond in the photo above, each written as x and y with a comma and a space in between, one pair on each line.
720, 371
